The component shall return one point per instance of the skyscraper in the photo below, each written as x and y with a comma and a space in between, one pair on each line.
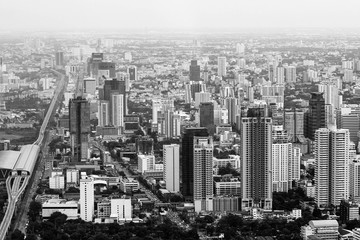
280, 75
59, 59
315, 117
87, 199
290, 72
117, 110
187, 159
79, 117
256, 155
194, 71
114, 87
221, 66
294, 124
331, 170
171, 159
203, 175
103, 113
133, 73
206, 114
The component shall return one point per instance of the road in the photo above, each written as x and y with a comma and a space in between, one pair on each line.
14, 190
18, 186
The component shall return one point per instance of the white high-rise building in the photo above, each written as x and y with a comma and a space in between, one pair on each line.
281, 157
121, 208
145, 163
202, 97
72, 176
104, 113
124, 76
340, 146
294, 165
203, 175
171, 156
240, 48
87, 199
290, 74
331, 171
354, 180
280, 75
221, 66
117, 110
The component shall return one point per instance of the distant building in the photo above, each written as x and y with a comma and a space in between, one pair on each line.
315, 117
59, 58
323, 229
79, 121
203, 176
171, 159
69, 208
87, 200
133, 73
121, 209
207, 114
221, 66
194, 71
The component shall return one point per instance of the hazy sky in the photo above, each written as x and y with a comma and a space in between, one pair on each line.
179, 14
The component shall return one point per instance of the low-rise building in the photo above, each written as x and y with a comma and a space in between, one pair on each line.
128, 185
69, 208
323, 229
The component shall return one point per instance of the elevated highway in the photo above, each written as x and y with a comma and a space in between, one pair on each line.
18, 167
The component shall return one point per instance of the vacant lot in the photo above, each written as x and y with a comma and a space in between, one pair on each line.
19, 136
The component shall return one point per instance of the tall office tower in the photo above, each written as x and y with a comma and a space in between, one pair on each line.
103, 113
187, 159
171, 159
132, 71
331, 170
203, 175
280, 75
240, 48
145, 145
354, 180
201, 97
348, 76
290, 73
117, 110
256, 155
251, 94
206, 73
294, 124
347, 64
168, 123
79, 117
87, 199
316, 116
123, 76
59, 59
232, 105
207, 115
114, 87
221, 66
194, 71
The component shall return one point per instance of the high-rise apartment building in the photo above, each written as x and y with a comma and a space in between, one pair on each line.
354, 180
194, 71
280, 75
187, 159
79, 117
256, 155
331, 170
171, 159
221, 66
290, 73
203, 175
87, 199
